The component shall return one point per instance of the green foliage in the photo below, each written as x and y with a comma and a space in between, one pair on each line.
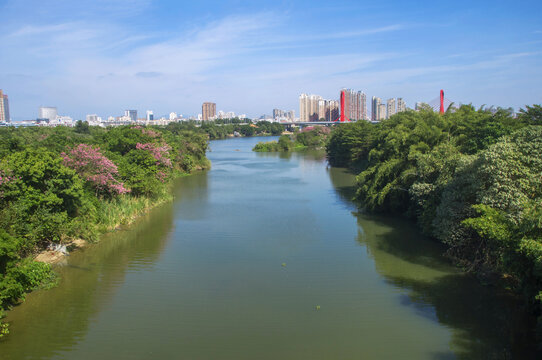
82, 127
284, 143
4, 328
43, 201
532, 115
23, 277
471, 178
349, 144
138, 170
315, 137
312, 138
44, 196
220, 129
270, 146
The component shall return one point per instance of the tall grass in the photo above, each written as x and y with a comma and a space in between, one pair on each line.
125, 209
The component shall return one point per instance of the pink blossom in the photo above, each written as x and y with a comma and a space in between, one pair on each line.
5, 179
160, 153
150, 133
95, 168
162, 176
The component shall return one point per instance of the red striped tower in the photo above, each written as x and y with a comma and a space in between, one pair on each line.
342, 116
442, 101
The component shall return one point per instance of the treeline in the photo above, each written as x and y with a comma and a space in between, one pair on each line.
471, 179
217, 130
310, 137
58, 184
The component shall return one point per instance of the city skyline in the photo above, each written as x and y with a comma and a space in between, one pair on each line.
102, 57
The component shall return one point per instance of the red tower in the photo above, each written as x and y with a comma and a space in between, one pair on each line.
442, 101
342, 116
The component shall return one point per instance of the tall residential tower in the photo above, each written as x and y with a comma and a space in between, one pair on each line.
48, 112
132, 114
355, 104
391, 108
375, 108
401, 106
4, 107
208, 109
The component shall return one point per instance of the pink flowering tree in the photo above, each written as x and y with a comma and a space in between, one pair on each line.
95, 168
150, 133
159, 152
5, 179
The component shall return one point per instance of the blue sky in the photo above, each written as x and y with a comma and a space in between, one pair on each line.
105, 56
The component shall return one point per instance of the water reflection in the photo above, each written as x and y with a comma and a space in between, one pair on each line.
53, 321
191, 194
486, 323
308, 154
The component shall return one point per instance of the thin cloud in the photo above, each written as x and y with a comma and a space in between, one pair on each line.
149, 74
32, 30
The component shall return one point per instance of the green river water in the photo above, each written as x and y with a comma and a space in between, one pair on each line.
265, 257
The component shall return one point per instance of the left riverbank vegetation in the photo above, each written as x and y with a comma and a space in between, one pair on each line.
471, 178
60, 184
312, 137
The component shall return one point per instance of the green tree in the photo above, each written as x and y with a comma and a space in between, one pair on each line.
82, 127
532, 115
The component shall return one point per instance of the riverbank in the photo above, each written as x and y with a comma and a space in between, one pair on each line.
469, 178
63, 185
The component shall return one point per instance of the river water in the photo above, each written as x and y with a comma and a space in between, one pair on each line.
265, 257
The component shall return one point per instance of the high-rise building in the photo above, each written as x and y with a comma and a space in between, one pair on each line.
362, 106
323, 105
314, 108
278, 113
390, 108
375, 107
332, 112
48, 112
4, 107
92, 118
150, 115
309, 106
208, 110
303, 107
132, 114
290, 115
355, 104
401, 106
381, 112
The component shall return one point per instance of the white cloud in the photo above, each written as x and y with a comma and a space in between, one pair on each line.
247, 63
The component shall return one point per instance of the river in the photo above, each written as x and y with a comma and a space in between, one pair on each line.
265, 257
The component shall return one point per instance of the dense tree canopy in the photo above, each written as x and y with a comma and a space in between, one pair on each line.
59, 183
471, 178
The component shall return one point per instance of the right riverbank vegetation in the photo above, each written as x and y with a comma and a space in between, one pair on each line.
60, 184
472, 179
